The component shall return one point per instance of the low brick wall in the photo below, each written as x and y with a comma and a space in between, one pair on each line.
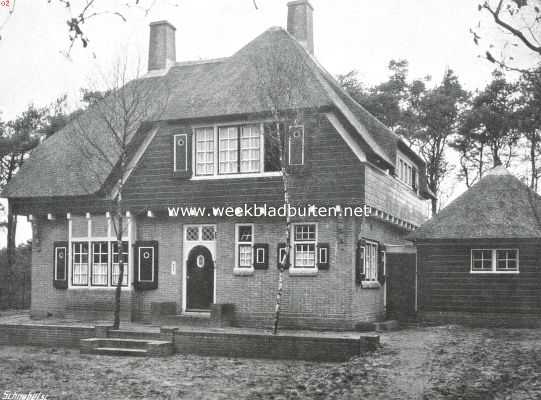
261, 345
492, 320
44, 335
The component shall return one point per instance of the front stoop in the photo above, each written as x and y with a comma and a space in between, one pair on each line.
127, 347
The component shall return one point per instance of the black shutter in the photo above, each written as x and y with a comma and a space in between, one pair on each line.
296, 146
182, 154
323, 254
359, 261
146, 265
280, 255
261, 256
414, 178
60, 265
381, 263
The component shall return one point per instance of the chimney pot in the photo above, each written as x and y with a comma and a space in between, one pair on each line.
161, 47
300, 23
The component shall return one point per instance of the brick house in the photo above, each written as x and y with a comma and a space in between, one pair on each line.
209, 149
478, 259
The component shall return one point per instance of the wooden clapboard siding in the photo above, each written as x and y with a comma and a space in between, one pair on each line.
446, 284
333, 175
388, 194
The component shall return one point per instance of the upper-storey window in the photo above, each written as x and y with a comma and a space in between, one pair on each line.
237, 149
407, 173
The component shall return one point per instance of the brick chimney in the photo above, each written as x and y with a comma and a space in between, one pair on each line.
300, 23
161, 46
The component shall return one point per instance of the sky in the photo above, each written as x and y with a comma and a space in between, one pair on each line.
349, 35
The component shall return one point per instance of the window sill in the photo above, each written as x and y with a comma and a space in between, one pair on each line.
370, 285
237, 176
303, 271
123, 288
495, 272
243, 271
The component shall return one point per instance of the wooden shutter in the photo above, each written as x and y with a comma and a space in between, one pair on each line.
280, 254
360, 260
261, 256
60, 265
182, 154
381, 263
146, 265
296, 146
323, 253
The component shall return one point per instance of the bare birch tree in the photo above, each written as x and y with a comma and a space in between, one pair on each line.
106, 135
282, 92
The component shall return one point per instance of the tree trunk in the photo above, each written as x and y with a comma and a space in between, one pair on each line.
118, 289
11, 247
434, 203
533, 164
282, 266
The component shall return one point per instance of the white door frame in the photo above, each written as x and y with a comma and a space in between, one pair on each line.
187, 246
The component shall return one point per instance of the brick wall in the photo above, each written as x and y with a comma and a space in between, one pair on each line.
308, 301
44, 335
368, 303
73, 303
276, 347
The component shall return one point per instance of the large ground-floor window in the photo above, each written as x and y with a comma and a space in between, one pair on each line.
96, 263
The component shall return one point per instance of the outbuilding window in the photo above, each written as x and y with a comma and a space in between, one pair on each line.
494, 261
370, 261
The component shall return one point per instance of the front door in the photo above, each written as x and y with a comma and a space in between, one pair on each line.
200, 279
199, 274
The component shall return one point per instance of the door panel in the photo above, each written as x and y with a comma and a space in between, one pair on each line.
200, 279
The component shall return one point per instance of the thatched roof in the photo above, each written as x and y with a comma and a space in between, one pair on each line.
499, 206
203, 89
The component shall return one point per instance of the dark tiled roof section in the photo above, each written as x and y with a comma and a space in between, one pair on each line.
499, 206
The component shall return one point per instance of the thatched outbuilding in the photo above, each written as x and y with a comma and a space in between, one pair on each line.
480, 256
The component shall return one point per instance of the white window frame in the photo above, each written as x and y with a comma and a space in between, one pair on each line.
128, 237
107, 265
216, 173
494, 267
175, 152
237, 268
80, 253
139, 263
125, 277
404, 174
370, 253
293, 257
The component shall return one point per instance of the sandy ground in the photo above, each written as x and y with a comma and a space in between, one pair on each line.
448, 362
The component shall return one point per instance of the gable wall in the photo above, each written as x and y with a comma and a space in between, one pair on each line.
333, 176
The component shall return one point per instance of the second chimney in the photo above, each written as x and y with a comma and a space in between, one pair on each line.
300, 23
161, 47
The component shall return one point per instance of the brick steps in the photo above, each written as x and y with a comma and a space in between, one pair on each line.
126, 347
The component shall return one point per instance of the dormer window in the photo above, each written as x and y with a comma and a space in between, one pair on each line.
243, 150
407, 173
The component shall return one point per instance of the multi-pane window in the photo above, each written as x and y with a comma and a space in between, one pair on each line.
80, 264
100, 263
238, 149
204, 151
494, 260
407, 173
115, 266
250, 149
370, 264
192, 233
244, 244
304, 245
